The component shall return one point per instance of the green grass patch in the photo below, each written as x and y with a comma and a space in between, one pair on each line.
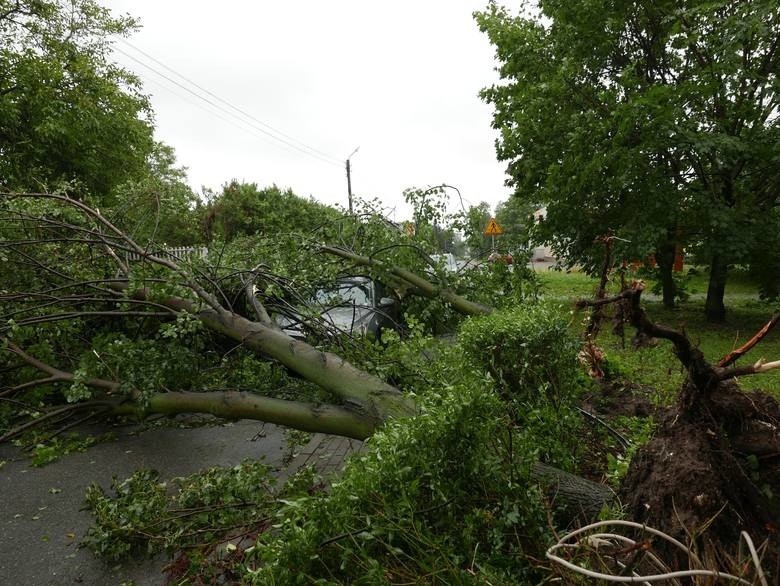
657, 367
563, 284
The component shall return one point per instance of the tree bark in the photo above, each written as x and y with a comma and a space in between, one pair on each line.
572, 498
311, 417
366, 395
714, 308
665, 257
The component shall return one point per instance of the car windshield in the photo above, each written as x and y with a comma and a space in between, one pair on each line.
347, 293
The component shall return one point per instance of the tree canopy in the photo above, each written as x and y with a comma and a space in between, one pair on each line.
68, 114
656, 122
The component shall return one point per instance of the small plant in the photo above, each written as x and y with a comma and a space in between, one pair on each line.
638, 430
294, 439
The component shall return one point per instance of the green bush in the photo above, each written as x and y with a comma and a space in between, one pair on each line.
528, 351
531, 356
435, 499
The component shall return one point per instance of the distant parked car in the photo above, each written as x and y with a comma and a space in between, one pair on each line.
448, 260
358, 306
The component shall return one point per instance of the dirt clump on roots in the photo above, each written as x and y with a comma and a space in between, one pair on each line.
622, 398
709, 473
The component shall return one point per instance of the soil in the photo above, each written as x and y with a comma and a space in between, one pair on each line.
704, 477
710, 473
621, 398
612, 400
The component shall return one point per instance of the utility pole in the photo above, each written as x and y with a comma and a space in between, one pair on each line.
349, 180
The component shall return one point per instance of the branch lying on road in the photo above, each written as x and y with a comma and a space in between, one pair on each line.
313, 417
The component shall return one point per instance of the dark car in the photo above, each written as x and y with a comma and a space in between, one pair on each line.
358, 306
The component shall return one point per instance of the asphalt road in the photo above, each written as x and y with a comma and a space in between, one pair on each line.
41, 521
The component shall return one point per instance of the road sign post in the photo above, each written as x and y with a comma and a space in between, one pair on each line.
493, 229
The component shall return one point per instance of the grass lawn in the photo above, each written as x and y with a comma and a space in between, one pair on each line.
657, 367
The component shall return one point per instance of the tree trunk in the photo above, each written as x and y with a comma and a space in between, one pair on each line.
366, 395
573, 498
714, 308
665, 258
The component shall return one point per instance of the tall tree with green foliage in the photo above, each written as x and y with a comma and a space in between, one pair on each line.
158, 207
516, 218
473, 223
68, 115
653, 121
243, 209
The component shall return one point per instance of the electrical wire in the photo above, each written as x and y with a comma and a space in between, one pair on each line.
230, 105
227, 112
249, 130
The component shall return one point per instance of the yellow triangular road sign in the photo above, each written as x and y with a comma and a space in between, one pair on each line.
493, 229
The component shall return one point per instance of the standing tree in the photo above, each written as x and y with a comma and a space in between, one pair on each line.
67, 114
655, 121
516, 217
473, 223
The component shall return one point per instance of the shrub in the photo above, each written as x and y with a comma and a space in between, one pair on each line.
528, 351
530, 354
435, 498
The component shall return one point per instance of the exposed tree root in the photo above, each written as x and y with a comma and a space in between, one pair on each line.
713, 462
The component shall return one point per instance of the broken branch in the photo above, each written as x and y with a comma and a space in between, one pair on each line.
742, 350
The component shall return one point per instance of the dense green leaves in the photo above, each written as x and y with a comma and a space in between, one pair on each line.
530, 354
436, 493
68, 116
655, 122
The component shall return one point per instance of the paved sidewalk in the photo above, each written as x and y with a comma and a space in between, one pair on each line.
41, 517
327, 453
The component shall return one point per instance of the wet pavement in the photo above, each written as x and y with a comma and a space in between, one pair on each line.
42, 521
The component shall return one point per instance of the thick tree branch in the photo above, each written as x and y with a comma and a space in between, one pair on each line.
323, 418
421, 286
315, 417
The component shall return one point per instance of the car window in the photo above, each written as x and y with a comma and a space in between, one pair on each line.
344, 293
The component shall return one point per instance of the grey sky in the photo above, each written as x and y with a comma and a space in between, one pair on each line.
398, 79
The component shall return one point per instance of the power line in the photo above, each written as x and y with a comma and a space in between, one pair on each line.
233, 122
329, 160
229, 104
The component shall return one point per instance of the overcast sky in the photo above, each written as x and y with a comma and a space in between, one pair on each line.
397, 79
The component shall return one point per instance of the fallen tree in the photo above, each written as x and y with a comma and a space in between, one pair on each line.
699, 472
360, 401
365, 401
